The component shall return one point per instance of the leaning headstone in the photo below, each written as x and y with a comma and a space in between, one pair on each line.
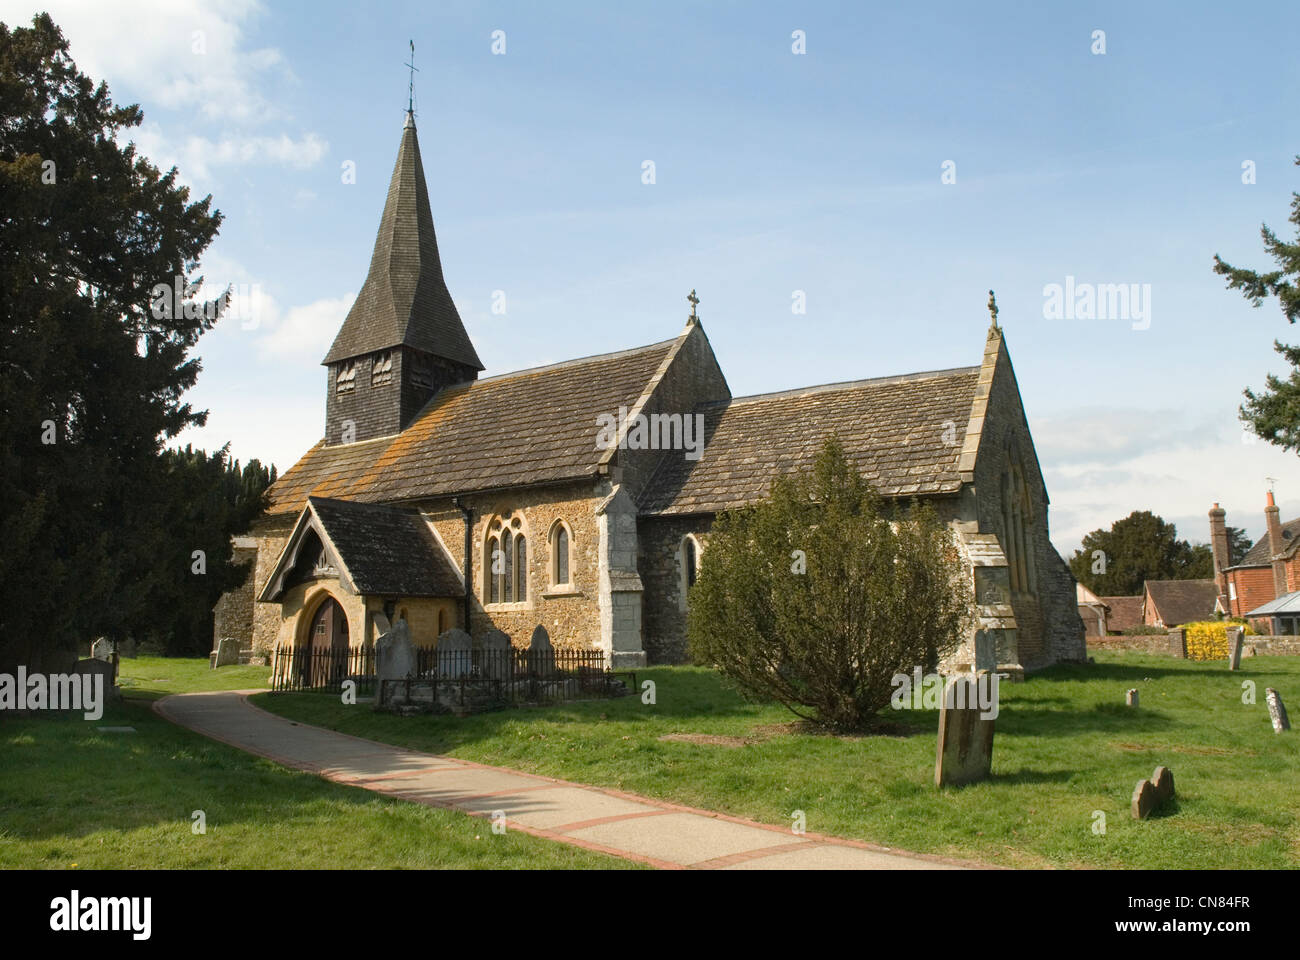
394, 658
227, 652
1178, 643
95, 666
1131, 698
1276, 710
965, 750
497, 654
1151, 794
102, 649
455, 653
1234, 647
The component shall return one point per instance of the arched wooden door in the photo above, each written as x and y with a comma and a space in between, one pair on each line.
328, 645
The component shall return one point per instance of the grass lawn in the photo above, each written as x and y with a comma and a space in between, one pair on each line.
1066, 746
73, 796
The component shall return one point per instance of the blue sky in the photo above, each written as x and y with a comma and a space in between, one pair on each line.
774, 173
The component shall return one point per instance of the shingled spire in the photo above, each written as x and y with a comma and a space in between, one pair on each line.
403, 332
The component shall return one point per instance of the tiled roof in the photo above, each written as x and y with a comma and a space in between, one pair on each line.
904, 433
1259, 555
387, 550
532, 426
1183, 601
404, 299
1124, 612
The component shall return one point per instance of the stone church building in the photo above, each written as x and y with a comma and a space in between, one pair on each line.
453, 500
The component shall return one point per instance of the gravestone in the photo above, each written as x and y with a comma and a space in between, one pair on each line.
1178, 643
541, 655
394, 659
1131, 698
965, 749
102, 649
497, 654
455, 654
1234, 647
1276, 710
1151, 794
227, 652
94, 666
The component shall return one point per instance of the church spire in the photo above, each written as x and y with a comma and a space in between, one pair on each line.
404, 301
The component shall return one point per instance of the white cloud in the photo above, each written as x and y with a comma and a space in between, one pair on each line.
306, 332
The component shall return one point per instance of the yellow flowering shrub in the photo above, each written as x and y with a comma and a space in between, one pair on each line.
1208, 640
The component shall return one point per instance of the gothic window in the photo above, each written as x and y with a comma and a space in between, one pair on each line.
381, 371
688, 561
1017, 521
505, 561
559, 554
347, 376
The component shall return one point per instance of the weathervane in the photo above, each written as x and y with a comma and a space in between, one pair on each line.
1271, 481
410, 88
993, 309
694, 302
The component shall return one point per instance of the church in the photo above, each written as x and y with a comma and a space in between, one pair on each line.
451, 500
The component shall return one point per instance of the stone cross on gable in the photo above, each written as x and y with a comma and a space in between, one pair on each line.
694, 302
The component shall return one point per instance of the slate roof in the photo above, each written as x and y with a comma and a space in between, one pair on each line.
532, 426
1124, 612
1259, 555
404, 299
1183, 601
387, 550
892, 428
1287, 603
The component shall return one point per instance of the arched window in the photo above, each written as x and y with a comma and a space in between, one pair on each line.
560, 554
505, 561
688, 563
1017, 522
442, 622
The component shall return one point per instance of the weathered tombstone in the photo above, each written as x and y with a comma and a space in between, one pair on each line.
497, 654
1178, 643
455, 654
541, 655
102, 649
1151, 794
1131, 698
1276, 710
94, 666
965, 749
227, 652
1234, 647
394, 658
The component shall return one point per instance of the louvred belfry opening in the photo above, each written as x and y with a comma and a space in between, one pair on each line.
403, 339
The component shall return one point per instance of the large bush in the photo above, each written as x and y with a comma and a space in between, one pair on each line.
818, 596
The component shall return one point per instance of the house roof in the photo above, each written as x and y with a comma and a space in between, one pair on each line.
1183, 601
529, 427
404, 300
904, 433
379, 550
1124, 613
1287, 603
1259, 555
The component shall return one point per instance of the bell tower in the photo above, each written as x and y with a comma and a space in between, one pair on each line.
403, 339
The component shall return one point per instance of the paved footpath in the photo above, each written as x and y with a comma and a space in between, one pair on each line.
624, 825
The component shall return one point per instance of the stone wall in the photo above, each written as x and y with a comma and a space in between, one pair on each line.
271, 534
1263, 646
1049, 628
571, 614
663, 606
233, 614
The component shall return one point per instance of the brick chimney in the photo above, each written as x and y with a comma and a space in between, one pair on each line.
1219, 547
1275, 545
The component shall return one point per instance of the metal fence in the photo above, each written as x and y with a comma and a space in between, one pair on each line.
322, 668
463, 676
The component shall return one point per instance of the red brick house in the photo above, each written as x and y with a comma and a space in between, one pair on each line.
1269, 570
